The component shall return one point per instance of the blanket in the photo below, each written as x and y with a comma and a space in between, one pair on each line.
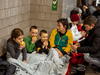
40, 64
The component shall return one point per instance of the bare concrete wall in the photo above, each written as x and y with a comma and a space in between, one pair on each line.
67, 6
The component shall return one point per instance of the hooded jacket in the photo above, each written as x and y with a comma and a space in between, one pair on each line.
92, 43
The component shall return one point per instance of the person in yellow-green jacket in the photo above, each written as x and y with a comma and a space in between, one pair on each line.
61, 38
31, 39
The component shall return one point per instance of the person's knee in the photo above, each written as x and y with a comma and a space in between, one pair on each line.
86, 57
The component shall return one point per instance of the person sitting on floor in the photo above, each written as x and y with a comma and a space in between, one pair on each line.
76, 34
15, 46
91, 45
31, 39
61, 37
43, 44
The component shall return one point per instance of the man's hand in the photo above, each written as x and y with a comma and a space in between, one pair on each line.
77, 44
74, 47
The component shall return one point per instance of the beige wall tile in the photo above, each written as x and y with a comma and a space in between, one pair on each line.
24, 2
2, 14
5, 3
5, 31
1, 4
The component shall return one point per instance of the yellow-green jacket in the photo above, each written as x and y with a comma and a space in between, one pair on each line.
62, 43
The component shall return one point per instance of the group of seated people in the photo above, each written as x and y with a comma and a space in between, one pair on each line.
67, 37
61, 40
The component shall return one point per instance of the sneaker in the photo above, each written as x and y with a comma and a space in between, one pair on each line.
97, 71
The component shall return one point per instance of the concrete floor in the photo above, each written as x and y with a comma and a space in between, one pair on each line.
89, 70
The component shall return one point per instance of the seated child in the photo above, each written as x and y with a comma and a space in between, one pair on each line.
43, 44
16, 45
76, 34
31, 39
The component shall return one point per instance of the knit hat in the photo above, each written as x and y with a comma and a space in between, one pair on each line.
75, 17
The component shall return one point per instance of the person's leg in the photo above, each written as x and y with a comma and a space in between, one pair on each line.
10, 70
91, 60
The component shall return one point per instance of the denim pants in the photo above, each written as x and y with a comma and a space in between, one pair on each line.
91, 60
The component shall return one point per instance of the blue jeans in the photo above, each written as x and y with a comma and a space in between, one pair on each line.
91, 60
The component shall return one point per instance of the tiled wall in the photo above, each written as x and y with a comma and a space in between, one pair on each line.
67, 6
25, 13
13, 13
43, 16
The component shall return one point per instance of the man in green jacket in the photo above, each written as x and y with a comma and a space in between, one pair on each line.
31, 39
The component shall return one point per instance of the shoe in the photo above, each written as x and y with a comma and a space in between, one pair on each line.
97, 71
81, 71
73, 71
81, 65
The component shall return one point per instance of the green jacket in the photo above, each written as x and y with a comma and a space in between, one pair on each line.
62, 43
29, 46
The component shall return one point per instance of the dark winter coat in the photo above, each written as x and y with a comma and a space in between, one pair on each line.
92, 43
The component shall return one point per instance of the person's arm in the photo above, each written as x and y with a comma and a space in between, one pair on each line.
93, 48
76, 35
83, 42
48, 47
70, 41
52, 38
39, 47
24, 54
10, 49
29, 45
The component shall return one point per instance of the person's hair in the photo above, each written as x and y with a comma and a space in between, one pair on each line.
15, 33
64, 21
90, 20
42, 31
74, 12
33, 27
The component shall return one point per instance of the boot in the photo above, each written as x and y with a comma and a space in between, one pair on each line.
80, 71
73, 71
